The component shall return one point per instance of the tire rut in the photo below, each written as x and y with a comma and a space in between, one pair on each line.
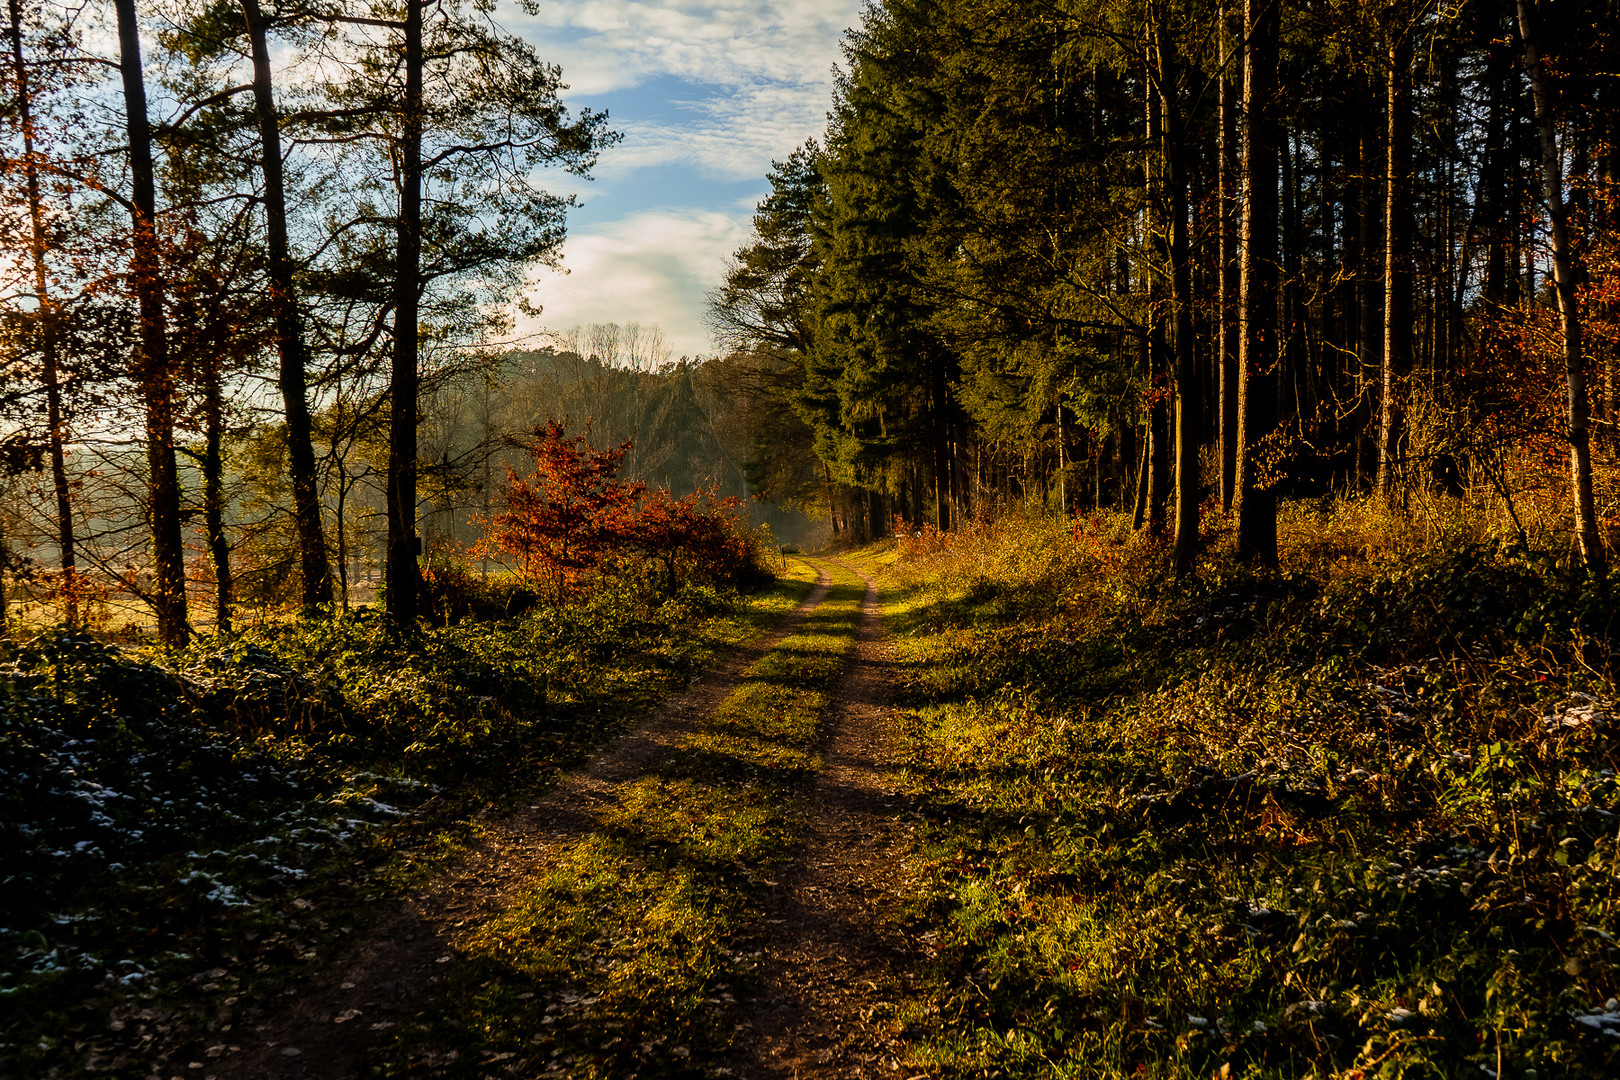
328, 1028
835, 955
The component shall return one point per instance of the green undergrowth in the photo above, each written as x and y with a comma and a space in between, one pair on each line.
1356, 818
183, 830
628, 956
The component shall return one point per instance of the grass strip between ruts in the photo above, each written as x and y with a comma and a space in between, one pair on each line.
623, 958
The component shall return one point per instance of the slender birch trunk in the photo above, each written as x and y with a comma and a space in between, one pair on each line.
1397, 364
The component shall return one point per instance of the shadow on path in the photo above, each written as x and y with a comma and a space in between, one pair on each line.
328, 1027
835, 956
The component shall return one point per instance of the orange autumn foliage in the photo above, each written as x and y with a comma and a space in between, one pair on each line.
698, 533
574, 512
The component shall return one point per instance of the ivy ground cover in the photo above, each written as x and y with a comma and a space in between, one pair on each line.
184, 829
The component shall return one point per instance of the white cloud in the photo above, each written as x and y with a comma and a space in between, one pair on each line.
614, 44
735, 137
656, 266
766, 67
757, 81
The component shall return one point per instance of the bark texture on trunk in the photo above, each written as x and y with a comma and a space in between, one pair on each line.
1577, 407
939, 419
1257, 337
1227, 272
213, 468
1189, 413
155, 379
1397, 255
1370, 292
293, 377
1157, 358
404, 575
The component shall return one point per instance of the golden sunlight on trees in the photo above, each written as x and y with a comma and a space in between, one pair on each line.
1181, 261
1190, 260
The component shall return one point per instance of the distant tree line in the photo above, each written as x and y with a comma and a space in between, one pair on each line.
1185, 254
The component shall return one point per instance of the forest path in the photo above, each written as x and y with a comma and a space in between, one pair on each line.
835, 960
330, 1027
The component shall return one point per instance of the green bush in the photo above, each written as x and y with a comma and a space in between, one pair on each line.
453, 593
124, 811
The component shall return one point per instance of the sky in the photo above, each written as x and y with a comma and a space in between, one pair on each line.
707, 93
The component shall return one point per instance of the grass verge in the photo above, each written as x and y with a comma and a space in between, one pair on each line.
1355, 819
627, 956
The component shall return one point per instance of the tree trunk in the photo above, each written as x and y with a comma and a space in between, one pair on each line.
1099, 450
1330, 329
1144, 462
1159, 464
343, 536
1227, 271
1125, 464
153, 376
1370, 292
1065, 487
404, 576
1552, 181
1189, 388
1290, 377
213, 466
294, 353
1156, 359
1257, 337
942, 447
832, 500
1608, 176
1491, 200
46, 313
5, 567
1397, 364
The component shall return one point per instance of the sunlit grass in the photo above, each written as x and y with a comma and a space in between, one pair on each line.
1300, 825
628, 955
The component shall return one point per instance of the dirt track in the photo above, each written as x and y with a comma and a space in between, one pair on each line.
835, 956
828, 961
